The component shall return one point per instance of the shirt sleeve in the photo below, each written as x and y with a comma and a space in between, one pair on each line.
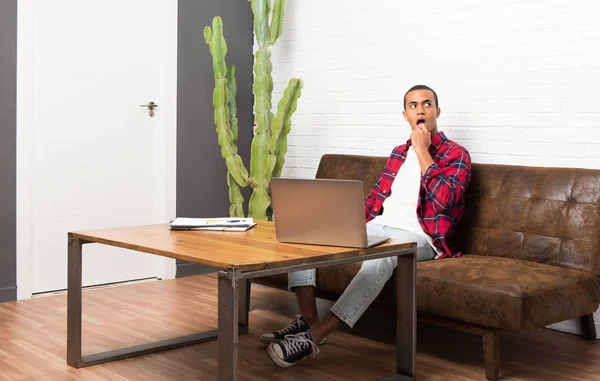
372, 197
446, 183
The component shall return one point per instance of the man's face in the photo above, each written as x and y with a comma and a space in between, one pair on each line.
421, 110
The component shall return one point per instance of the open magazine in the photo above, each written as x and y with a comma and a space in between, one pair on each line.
226, 224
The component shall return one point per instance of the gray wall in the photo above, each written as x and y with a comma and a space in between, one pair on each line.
201, 171
8, 149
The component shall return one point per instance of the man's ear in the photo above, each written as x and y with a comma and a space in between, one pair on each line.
404, 114
438, 112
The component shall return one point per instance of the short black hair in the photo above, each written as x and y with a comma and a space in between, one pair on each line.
422, 87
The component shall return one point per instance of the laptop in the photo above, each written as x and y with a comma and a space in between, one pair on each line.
321, 212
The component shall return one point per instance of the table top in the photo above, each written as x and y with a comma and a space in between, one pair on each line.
255, 249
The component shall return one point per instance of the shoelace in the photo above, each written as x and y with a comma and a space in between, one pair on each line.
296, 323
298, 342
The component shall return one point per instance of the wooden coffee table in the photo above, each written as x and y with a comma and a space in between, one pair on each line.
239, 256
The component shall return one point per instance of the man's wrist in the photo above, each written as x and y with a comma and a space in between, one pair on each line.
420, 151
425, 159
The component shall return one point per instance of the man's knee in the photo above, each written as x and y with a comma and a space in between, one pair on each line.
381, 265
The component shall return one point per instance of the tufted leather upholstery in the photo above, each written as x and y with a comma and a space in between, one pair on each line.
545, 215
530, 241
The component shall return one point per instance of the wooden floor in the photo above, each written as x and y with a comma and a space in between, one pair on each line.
33, 341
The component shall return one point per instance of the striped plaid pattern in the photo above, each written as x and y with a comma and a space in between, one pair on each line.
441, 197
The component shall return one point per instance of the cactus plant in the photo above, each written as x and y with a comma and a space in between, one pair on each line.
269, 144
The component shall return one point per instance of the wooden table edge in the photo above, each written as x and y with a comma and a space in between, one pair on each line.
247, 267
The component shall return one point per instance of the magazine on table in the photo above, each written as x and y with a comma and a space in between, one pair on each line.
224, 224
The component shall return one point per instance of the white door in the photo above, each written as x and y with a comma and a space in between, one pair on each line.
95, 158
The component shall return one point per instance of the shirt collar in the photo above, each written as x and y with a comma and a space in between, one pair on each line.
438, 139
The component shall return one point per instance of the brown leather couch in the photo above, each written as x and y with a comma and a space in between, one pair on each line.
531, 243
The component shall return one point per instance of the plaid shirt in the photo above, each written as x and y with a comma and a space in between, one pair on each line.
441, 196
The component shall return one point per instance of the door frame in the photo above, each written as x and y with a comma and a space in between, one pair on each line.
166, 169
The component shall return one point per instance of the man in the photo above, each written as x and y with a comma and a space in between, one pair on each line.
418, 197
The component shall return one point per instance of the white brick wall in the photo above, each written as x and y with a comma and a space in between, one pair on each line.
518, 80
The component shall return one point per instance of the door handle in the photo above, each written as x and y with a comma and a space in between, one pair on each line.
150, 106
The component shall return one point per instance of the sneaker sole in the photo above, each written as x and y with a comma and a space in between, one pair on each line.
279, 362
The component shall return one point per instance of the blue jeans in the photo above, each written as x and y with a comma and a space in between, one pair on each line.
371, 278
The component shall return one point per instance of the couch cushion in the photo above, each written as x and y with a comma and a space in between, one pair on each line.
493, 292
505, 293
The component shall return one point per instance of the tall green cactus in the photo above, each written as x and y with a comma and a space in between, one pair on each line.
269, 143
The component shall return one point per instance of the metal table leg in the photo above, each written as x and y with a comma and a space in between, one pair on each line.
74, 357
74, 303
406, 323
228, 323
243, 304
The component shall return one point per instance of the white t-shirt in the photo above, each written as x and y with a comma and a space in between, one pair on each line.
400, 208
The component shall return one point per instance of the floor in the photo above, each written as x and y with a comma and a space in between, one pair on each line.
33, 341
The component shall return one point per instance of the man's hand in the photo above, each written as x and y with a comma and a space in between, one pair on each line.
420, 139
